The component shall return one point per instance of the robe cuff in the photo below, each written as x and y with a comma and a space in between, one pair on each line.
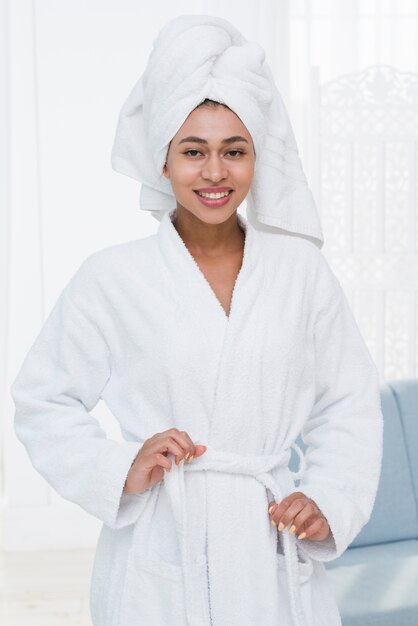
324, 550
131, 506
337, 516
120, 509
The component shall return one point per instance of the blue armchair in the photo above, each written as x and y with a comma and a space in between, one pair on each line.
376, 579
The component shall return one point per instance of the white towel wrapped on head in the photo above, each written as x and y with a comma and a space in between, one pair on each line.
195, 57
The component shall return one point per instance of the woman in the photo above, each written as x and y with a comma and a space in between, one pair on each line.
215, 341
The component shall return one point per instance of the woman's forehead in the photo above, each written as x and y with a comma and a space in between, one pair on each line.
213, 125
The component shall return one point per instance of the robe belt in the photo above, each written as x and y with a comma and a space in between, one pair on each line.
268, 470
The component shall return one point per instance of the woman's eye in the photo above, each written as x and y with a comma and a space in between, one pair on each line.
236, 151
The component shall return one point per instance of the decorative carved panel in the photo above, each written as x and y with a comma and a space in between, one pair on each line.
365, 140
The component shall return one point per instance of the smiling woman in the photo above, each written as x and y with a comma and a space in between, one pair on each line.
218, 340
222, 165
209, 184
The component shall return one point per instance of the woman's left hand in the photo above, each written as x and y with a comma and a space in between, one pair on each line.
306, 518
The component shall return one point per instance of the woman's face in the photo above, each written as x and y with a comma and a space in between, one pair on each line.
210, 162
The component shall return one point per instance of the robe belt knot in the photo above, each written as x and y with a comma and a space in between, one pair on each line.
268, 470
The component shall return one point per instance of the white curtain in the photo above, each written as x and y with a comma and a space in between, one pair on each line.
65, 68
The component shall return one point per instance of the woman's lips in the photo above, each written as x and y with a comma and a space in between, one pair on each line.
214, 202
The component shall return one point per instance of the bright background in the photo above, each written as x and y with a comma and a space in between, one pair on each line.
66, 67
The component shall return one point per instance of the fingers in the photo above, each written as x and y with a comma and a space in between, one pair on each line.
162, 461
302, 514
173, 441
178, 443
147, 468
318, 529
199, 449
150, 460
291, 511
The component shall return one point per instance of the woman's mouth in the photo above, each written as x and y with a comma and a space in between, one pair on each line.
207, 201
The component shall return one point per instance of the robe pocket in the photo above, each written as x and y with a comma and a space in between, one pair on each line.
154, 592
305, 570
305, 565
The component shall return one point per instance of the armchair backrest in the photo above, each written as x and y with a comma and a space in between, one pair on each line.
395, 512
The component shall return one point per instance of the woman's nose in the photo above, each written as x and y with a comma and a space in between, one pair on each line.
214, 169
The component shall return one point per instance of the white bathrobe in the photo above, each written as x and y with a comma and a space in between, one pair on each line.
139, 326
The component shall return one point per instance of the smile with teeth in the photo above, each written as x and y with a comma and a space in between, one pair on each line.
214, 196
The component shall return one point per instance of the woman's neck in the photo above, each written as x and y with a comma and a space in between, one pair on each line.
209, 240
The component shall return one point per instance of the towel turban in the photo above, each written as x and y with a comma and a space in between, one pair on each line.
195, 57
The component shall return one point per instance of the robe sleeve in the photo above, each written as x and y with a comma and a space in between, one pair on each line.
60, 381
344, 431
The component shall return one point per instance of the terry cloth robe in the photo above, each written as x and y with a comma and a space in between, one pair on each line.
139, 326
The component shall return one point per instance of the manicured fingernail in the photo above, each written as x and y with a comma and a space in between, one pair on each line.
302, 536
271, 508
281, 526
191, 459
292, 528
187, 456
273, 522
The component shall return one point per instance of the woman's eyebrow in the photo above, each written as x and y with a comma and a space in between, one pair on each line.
200, 140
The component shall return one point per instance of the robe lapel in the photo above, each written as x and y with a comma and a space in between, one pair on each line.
230, 361
192, 290
207, 338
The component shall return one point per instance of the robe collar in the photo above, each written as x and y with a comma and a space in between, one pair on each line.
191, 285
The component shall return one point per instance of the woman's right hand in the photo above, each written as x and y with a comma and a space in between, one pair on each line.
148, 466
